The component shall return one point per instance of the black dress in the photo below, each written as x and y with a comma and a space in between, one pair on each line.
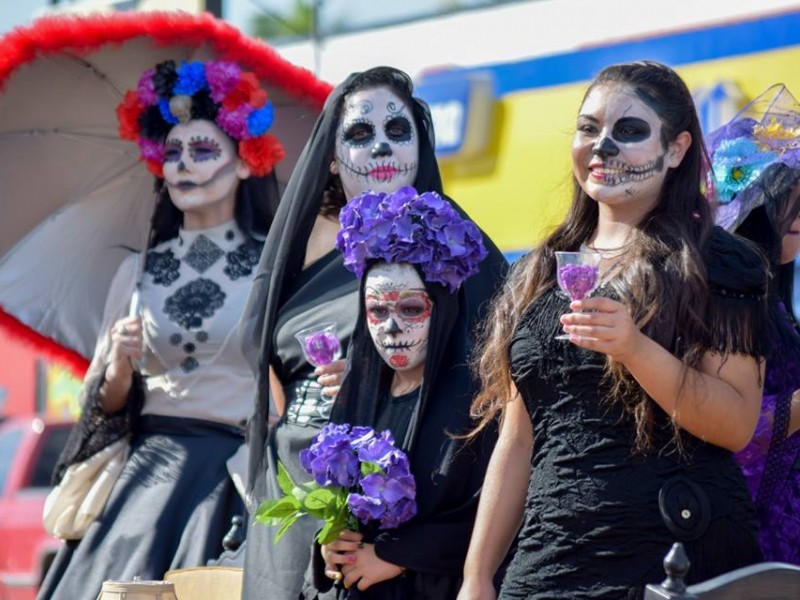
324, 292
599, 518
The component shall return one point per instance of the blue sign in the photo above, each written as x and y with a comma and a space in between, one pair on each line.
461, 105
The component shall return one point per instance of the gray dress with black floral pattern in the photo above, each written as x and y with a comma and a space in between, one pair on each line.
174, 501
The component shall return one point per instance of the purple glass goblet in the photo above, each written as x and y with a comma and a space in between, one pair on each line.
320, 344
577, 274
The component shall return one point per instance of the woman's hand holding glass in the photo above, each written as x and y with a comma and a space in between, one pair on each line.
577, 274
603, 325
322, 350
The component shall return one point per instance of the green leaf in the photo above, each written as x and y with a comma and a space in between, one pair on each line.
288, 522
330, 532
320, 501
285, 480
273, 510
368, 468
304, 489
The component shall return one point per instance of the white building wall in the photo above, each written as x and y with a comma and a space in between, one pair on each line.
515, 31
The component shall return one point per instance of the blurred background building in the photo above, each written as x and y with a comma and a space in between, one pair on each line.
504, 78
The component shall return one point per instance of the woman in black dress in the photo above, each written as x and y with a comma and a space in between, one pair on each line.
624, 435
372, 134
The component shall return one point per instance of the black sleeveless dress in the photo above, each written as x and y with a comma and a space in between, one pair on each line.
599, 518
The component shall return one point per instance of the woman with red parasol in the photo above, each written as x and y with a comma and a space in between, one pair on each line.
167, 371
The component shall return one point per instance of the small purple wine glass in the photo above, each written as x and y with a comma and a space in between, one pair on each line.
578, 274
320, 344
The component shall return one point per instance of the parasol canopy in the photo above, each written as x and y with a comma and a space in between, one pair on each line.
75, 200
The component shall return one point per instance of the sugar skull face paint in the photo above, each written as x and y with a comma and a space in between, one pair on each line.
201, 166
377, 144
398, 311
617, 151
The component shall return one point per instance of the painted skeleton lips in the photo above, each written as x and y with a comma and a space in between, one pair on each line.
383, 172
399, 346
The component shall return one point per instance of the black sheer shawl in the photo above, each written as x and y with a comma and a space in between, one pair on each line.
284, 251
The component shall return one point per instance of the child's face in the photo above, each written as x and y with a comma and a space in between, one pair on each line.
398, 311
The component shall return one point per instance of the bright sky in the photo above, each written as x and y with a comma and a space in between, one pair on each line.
240, 12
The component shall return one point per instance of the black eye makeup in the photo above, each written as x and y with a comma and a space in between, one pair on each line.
631, 129
204, 148
398, 128
173, 150
358, 133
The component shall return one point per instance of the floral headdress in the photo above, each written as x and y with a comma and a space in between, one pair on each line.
763, 133
407, 227
218, 91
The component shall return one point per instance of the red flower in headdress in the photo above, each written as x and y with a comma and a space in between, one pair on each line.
156, 168
245, 92
128, 113
261, 154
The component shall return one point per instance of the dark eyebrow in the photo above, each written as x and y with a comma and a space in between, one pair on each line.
588, 117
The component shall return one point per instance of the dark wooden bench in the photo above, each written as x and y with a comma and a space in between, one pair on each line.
764, 581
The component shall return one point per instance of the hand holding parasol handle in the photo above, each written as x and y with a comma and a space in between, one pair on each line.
135, 312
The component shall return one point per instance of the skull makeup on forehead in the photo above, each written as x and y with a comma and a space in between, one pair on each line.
377, 144
398, 311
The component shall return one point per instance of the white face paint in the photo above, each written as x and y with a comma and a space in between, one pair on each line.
398, 311
202, 168
617, 152
377, 143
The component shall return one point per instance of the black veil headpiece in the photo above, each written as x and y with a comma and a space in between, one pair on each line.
284, 250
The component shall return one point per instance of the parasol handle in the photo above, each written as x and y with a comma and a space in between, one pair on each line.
135, 310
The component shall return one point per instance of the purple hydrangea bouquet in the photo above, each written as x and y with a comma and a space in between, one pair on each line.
358, 476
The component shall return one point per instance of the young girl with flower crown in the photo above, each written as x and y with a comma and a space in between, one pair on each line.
407, 374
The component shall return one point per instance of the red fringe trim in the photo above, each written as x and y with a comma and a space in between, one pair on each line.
49, 348
81, 35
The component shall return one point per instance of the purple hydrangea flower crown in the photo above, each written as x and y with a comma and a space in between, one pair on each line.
407, 227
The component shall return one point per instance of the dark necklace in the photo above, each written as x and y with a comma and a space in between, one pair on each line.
605, 253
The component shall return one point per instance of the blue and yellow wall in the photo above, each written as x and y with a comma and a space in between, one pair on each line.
518, 186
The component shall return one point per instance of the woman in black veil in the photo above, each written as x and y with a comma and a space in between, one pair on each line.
301, 282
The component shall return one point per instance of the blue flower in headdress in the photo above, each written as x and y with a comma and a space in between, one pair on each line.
260, 120
737, 163
191, 79
166, 114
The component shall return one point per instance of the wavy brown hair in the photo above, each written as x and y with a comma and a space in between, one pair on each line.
662, 278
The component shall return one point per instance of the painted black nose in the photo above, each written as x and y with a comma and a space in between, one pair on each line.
605, 147
381, 149
181, 166
392, 326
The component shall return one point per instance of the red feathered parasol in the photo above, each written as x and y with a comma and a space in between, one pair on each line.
74, 198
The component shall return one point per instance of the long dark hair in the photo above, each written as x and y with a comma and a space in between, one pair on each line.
399, 83
663, 279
